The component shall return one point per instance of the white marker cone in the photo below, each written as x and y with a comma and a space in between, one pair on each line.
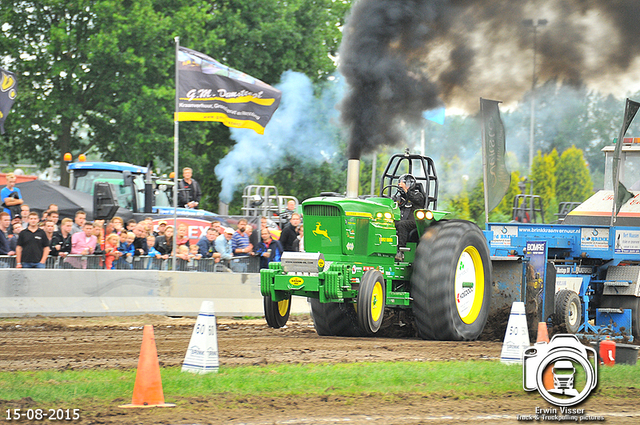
516, 338
202, 354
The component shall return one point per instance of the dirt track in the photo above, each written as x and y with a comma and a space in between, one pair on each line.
64, 343
72, 343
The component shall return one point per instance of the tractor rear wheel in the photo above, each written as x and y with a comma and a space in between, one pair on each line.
334, 319
567, 311
276, 312
371, 300
451, 282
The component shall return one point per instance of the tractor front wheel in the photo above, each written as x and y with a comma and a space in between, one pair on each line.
371, 300
276, 312
451, 282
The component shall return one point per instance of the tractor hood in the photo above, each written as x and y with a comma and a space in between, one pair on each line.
596, 211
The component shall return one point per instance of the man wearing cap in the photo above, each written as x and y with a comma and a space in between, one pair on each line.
223, 244
162, 226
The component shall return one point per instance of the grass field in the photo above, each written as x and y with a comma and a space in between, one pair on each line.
462, 379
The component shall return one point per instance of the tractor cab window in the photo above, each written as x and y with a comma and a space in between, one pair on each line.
84, 181
629, 169
163, 194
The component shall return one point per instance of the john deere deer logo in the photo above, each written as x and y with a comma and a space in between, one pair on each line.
321, 232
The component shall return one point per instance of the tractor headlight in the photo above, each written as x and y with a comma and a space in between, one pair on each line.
388, 215
420, 215
379, 215
428, 215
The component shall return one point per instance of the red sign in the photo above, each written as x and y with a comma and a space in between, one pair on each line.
196, 228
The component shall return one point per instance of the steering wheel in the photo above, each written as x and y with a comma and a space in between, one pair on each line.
391, 186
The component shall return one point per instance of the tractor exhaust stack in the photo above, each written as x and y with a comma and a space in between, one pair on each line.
353, 177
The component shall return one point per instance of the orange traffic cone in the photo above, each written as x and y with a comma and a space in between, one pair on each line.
543, 334
147, 391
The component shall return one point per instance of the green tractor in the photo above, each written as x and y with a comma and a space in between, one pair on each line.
350, 275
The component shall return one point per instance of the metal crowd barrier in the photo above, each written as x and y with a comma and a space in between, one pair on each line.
235, 265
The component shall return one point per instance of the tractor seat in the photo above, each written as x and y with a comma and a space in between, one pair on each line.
421, 189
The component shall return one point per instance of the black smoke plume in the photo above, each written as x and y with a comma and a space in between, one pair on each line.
401, 57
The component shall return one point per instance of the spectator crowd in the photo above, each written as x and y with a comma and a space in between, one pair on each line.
33, 239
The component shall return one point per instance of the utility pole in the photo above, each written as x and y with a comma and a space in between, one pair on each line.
530, 24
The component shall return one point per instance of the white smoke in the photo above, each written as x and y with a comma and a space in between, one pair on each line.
305, 125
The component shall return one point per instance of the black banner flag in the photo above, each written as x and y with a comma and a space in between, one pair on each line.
496, 176
620, 193
211, 91
8, 93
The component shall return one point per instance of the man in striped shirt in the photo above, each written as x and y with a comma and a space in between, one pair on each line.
240, 244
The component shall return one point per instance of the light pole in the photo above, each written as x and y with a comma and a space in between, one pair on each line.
530, 24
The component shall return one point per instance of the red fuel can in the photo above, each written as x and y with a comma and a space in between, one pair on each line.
608, 352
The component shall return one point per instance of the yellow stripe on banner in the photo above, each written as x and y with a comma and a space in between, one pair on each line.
219, 117
358, 214
242, 99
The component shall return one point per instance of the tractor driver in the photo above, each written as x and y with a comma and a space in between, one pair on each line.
409, 198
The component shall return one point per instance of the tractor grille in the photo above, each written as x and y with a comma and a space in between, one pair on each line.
322, 211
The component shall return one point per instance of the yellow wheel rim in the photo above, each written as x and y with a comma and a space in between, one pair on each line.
283, 306
469, 285
377, 301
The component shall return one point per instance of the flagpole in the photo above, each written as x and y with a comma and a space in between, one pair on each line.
484, 166
176, 144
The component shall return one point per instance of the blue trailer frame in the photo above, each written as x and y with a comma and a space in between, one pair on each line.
580, 255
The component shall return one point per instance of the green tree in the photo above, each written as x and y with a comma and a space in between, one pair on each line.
93, 74
98, 75
543, 173
505, 207
573, 181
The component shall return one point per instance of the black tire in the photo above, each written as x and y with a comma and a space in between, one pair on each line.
567, 311
334, 319
371, 302
276, 313
437, 289
625, 302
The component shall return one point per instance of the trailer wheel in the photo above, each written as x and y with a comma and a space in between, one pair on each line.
451, 282
371, 301
334, 319
276, 312
567, 311
625, 302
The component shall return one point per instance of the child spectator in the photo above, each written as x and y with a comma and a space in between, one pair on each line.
151, 243
155, 258
194, 253
111, 250
126, 249
183, 252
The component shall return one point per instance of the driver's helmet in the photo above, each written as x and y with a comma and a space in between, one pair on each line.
409, 180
